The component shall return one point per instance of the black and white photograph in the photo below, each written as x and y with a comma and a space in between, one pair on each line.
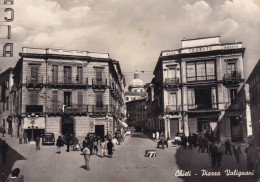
129, 90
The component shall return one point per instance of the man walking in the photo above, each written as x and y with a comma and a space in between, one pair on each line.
3, 131
4, 148
86, 153
68, 140
213, 154
227, 147
219, 154
37, 140
190, 142
237, 151
25, 138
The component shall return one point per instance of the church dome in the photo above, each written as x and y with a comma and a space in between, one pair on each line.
136, 82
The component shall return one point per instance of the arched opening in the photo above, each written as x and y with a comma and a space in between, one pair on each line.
67, 125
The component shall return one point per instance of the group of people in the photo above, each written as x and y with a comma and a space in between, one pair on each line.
70, 141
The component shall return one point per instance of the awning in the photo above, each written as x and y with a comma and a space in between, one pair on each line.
39, 123
123, 123
213, 125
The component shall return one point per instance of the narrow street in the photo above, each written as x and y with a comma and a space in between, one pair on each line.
128, 163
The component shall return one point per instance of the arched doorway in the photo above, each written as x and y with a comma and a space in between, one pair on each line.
67, 125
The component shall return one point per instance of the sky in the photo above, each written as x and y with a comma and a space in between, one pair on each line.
133, 32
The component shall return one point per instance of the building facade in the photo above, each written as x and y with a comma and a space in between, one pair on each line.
65, 91
136, 114
196, 89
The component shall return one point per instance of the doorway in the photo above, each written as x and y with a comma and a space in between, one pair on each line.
174, 127
67, 125
99, 130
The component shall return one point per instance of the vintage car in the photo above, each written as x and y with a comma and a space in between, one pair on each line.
48, 139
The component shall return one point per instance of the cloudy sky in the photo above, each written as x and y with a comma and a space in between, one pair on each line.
134, 32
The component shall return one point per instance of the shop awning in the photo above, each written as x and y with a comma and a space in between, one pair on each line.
39, 123
213, 125
123, 123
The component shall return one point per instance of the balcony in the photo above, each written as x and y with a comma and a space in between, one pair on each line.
171, 109
171, 83
37, 109
98, 110
99, 82
34, 82
203, 106
233, 106
232, 79
72, 109
68, 82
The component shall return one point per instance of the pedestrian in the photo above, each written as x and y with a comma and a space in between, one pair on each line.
11, 131
200, 142
91, 145
184, 142
37, 140
153, 135
237, 150
59, 143
157, 135
190, 141
228, 146
85, 143
15, 177
21, 138
210, 146
3, 131
4, 148
75, 142
110, 148
103, 148
205, 144
162, 141
195, 140
86, 153
25, 137
114, 141
95, 144
68, 140
213, 154
219, 153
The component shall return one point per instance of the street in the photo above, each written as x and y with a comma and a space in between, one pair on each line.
128, 163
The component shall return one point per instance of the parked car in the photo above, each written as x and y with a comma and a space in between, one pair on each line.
48, 139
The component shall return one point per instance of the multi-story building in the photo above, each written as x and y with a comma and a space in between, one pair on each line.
7, 94
196, 88
66, 91
254, 96
136, 113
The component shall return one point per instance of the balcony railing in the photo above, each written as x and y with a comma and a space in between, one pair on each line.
99, 82
76, 108
171, 81
173, 108
68, 81
233, 106
232, 76
203, 106
34, 108
98, 109
34, 80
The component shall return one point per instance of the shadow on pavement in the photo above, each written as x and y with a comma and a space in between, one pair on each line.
12, 157
194, 163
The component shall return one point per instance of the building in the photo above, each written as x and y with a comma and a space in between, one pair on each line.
196, 89
254, 97
7, 94
65, 91
136, 114
136, 89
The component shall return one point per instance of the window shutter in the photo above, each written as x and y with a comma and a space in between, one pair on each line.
214, 97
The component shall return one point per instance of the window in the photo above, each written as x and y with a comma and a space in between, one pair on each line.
67, 98
99, 75
34, 98
201, 70
7, 103
233, 96
67, 74
172, 99
231, 67
80, 99
34, 74
202, 98
55, 100
79, 78
99, 100
54, 73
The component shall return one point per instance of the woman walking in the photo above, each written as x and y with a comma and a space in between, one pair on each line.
59, 143
103, 148
110, 148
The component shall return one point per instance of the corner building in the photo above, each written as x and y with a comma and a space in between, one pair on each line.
196, 89
76, 92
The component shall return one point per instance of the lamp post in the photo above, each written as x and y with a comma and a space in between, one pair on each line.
32, 117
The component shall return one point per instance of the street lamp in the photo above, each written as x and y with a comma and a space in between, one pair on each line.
32, 117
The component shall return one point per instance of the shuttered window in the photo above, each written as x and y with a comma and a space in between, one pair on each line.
80, 99
54, 73
79, 74
67, 74
99, 100
34, 98
34, 74
55, 100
